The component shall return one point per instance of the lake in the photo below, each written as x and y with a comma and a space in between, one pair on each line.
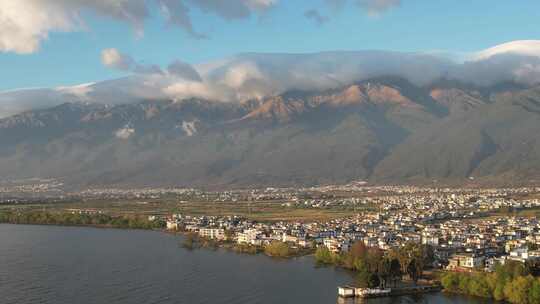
78, 265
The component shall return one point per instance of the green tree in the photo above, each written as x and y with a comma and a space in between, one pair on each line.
323, 255
450, 282
463, 283
479, 287
534, 292
498, 292
278, 249
360, 265
517, 291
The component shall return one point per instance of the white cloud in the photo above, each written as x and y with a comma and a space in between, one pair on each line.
17, 101
112, 58
253, 75
185, 89
250, 76
516, 61
80, 91
237, 75
521, 47
528, 73
24, 24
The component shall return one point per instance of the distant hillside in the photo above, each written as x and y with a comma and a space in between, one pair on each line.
381, 130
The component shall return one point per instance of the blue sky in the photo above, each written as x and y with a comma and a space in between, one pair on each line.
74, 57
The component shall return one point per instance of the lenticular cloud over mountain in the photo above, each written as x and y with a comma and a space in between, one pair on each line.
255, 75
522, 47
258, 75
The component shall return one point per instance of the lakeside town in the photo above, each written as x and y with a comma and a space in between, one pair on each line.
462, 228
356, 226
468, 228
458, 235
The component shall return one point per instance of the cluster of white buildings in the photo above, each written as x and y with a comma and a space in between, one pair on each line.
240, 230
458, 227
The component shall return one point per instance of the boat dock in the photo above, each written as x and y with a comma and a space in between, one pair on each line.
355, 292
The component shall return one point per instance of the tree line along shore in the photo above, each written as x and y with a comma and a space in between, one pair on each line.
513, 282
80, 219
375, 268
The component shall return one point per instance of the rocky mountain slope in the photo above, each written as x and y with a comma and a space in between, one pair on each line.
381, 130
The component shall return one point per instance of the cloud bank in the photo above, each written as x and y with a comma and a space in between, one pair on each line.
24, 24
256, 75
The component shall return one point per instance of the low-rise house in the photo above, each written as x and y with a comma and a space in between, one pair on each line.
212, 233
249, 236
465, 261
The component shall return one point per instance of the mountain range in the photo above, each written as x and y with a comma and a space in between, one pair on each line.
382, 130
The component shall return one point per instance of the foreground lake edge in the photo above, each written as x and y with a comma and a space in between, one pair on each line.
140, 223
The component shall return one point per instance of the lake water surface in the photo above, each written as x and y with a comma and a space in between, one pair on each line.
71, 265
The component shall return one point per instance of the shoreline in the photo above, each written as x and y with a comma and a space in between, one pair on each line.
96, 220
199, 242
85, 226
231, 250
201, 245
